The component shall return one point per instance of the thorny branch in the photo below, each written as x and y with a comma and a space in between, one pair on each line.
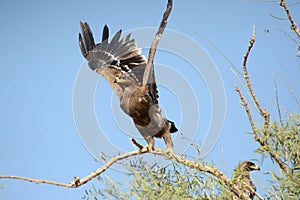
293, 24
264, 113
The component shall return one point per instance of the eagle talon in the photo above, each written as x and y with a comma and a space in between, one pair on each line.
169, 151
148, 148
76, 182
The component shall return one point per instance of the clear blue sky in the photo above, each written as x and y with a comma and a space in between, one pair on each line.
41, 59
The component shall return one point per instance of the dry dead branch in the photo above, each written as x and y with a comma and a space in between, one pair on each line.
263, 112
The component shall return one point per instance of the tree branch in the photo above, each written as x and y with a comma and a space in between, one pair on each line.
33, 180
77, 182
256, 137
293, 24
154, 44
159, 33
203, 168
211, 170
264, 113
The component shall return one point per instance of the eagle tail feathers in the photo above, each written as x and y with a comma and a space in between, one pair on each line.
173, 128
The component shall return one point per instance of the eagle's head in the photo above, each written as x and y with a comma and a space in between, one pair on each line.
248, 166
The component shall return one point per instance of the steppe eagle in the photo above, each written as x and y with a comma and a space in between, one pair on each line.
120, 62
241, 178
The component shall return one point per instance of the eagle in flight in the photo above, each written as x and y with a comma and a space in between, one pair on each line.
120, 62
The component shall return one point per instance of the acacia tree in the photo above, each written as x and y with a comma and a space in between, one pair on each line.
185, 179
195, 177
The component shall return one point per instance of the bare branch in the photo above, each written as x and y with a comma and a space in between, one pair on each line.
154, 44
281, 164
160, 31
136, 143
264, 113
37, 181
247, 109
293, 24
77, 182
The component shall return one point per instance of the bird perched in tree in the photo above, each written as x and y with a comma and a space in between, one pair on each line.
120, 62
241, 178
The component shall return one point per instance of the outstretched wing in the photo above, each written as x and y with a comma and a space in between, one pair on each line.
113, 59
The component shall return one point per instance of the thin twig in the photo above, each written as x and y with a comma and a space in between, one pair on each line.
286, 34
37, 181
293, 24
279, 18
246, 91
224, 56
247, 109
277, 99
161, 28
293, 4
290, 89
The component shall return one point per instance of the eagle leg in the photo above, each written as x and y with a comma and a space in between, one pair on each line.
168, 140
150, 143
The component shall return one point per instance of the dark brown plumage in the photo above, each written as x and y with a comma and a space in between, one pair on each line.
120, 63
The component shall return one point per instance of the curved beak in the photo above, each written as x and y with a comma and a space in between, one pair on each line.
255, 167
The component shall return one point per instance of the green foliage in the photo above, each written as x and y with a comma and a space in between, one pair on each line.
284, 140
178, 181
157, 182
